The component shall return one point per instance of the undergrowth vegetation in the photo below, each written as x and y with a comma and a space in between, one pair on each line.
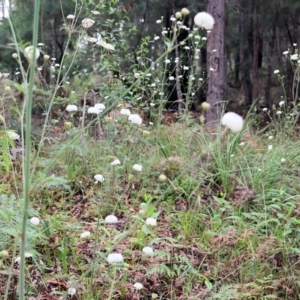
124, 206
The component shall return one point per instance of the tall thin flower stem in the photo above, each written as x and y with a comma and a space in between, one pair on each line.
26, 164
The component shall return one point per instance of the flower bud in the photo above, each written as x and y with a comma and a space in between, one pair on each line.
130, 177
68, 125
185, 11
202, 119
46, 57
15, 55
178, 15
4, 254
162, 178
146, 133
7, 88
108, 120
205, 106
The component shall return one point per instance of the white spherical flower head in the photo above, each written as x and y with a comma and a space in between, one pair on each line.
270, 147
35, 221
283, 160
294, 56
115, 162
276, 71
114, 258
100, 106
125, 112
111, 219
29, 51
93, 110
138, 286
147, 250
135, 119
99, 178
71, 291
204, 20
70, 17
71, 108
232, 121
27, 255
13, 135
87, 23
137, 167
85, 234
151, 222
281, 103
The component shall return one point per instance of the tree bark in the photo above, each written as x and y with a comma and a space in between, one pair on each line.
216, 62
268, 102
255, 42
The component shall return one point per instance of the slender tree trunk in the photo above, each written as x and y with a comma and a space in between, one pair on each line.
255, 47
245, 53
270, 68
216, 62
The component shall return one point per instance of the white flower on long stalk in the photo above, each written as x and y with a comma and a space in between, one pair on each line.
87, 23
138, 286
71, 108
70, 17
29, 51
114, 258
151, 222
294, 56
27, 255
148, 250
85, 234
137, 167
99, 106
35, 221
204, 20
115, 162
111, 219
135, 119
71, 291
125, 112
99, 178
232, 121
13, 135
93, 110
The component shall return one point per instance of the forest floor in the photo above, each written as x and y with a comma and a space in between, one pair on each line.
227, 208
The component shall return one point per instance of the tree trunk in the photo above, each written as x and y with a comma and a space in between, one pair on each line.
245, 53
268, 102
255, 45
216, 61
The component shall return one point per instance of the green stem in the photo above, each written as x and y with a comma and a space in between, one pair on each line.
26, 165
